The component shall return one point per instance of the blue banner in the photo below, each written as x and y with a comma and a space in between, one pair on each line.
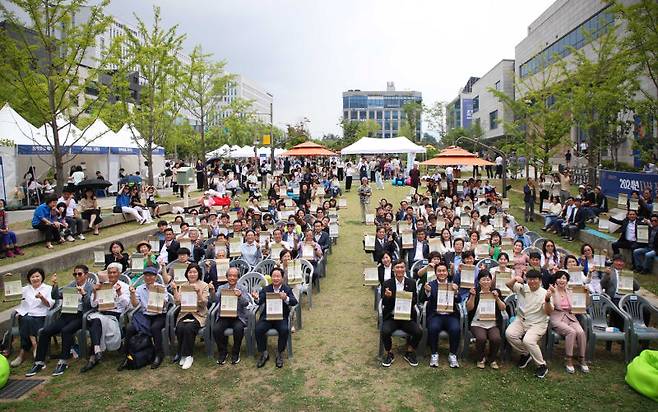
89, 150
467, 113
27, 149
613, 182
124, 150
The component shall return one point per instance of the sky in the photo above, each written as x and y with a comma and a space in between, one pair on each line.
307, 52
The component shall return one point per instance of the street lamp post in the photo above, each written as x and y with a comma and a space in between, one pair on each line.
493, 149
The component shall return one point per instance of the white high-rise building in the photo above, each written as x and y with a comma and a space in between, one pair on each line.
243, 88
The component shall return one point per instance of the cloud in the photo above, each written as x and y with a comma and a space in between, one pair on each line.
307, 52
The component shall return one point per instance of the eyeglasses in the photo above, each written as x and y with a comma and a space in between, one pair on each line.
78, 273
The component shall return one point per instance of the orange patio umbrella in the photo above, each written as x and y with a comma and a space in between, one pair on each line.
308, 149
456, 156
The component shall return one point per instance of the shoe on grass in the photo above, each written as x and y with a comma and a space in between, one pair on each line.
541, 372
524, 360
388, 359
434, 360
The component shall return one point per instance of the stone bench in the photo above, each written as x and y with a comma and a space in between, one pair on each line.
29, 237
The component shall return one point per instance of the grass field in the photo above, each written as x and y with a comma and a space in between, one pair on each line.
335, 366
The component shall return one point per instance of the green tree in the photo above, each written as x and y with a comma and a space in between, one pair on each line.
350, 130
412, 112
641, 39
205, 85
602, 90
435, 116
239, 126
368, 128
153, 52
541, 118
45, 67
406, 130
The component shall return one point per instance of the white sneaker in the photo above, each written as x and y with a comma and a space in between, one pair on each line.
81, 236
16, 362
70, 238
188, 362
584, 368
434, 360
182, 360
570, 369
452, 361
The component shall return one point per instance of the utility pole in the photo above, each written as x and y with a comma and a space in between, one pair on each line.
272, 136
493, 149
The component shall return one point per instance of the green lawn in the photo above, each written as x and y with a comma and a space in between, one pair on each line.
335, 366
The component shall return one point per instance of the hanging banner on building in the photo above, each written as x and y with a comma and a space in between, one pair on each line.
28, 149
89, 150
613, 182
467, 113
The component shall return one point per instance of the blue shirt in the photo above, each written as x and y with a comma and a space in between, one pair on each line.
123, 200
41, 212
142, 293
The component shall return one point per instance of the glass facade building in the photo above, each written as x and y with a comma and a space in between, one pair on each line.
383, 107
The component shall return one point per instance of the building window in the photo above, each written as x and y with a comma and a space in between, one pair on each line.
362, 115
595, 27
371, 115
497, 85
476, 104
346, 114
379, 115
396, 113
387, 114
493, 120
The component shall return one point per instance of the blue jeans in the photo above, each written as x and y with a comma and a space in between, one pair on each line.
548, 219
449, 323
646, 253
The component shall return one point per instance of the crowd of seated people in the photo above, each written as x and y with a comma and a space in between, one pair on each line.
132, 300
445, 243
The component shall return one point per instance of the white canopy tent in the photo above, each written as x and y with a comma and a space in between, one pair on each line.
376, 146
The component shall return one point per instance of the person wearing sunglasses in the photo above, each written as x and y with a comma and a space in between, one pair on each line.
67, 325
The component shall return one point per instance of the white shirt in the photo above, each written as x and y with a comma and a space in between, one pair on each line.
121, 302
33, 306
630, 231
419, 251
399, 285
387, 272
78, 177
499, 161
72, 205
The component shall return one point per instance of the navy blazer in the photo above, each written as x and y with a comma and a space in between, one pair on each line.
388, 304
324, 240
431, 300
412, 252
270, 289
624, 224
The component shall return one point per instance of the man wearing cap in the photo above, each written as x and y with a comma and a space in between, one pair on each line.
150, 323
73, 218
531, 320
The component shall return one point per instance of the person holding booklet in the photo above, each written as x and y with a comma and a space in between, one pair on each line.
76, 297
192, 296
428, 272
169, 275
611, 283
250, 250
152, 299
276, 299
530, 321
484, 308
309, 249
112, 298
232, 313
398, 302
35, 302
560, 307
442, 314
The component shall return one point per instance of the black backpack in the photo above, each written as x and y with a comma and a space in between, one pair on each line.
140, 351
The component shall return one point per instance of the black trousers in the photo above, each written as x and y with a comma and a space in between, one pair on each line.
623, 244
68, 324
186, 332
238, 334
409, 326
96, 328
262, 326
348, 182
157, 323
51, 232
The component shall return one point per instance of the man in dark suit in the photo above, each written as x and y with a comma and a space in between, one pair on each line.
575, 220
169, 248
382, 245
320, 236
420, 249
390, 324
628, 238
281, 326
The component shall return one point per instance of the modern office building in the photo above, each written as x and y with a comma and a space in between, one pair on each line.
384, 107
488, 111
559, 29
246, 89
459, 112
